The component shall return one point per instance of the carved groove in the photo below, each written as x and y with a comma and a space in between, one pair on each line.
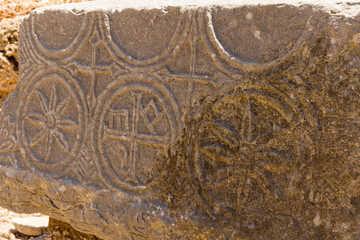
137, 121
239, 152
51, 121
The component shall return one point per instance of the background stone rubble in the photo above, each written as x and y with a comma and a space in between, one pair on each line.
7, 229
11, 14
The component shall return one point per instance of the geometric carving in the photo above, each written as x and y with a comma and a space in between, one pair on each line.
85, 166
137, 122
151, 55
51, 120
8, 142
234, 122
246, 137
119, 119
62, 48
223, 34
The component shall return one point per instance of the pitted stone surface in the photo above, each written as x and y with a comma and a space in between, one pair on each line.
212, 121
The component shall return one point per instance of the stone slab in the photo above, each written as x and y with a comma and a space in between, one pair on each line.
31, 226
161, 120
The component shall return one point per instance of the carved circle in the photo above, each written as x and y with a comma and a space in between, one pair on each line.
245, 139
160, 48
51, 120
234, 56
137, 120
8, 142
56, 48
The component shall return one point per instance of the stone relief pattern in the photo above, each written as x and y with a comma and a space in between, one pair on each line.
85, 166
131, 113
188, 26
135, 119
51, 124
246, 150
227, 62
9, 143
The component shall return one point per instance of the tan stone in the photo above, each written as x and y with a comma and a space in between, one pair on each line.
168, 120
31, 226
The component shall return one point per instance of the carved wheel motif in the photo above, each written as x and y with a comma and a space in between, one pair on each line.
246, 138
51, 121
138, 120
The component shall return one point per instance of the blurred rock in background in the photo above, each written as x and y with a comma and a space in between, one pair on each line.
11, 14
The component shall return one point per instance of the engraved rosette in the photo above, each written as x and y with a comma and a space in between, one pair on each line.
51, 121
247, 137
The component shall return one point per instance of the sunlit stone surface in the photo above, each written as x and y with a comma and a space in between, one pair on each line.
169, 120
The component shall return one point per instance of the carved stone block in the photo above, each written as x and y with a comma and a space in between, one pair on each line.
194, 121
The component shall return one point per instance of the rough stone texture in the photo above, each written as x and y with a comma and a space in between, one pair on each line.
58, 230
154, 121
31, 226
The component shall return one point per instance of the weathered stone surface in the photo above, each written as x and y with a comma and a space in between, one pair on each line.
238, 121
58, 230
31, 226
